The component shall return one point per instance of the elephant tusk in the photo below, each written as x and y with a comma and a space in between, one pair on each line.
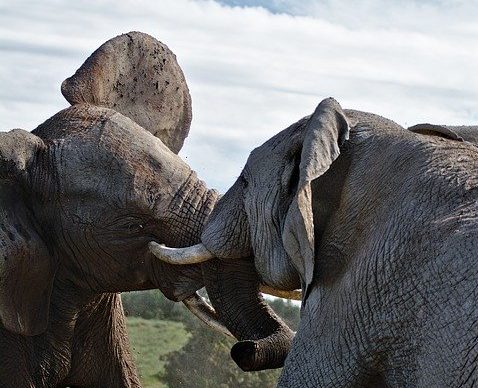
204, 311
294, 294
189, 255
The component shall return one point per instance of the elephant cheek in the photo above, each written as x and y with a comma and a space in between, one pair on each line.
227, 232
276, 269
227, 245
228, 235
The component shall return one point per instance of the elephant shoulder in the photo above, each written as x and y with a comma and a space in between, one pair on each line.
359, 119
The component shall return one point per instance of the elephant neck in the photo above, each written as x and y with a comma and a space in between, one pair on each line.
189, 211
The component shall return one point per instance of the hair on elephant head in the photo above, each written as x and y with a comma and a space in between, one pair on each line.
374, 229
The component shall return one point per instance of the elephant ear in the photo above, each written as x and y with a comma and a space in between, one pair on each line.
26, 268
454, 132
325, 131
436, 130
139, 77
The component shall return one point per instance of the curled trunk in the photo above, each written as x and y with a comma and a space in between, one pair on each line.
233, 288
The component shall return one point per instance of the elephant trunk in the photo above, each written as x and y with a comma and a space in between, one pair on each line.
233, 289
232, 285
183, 222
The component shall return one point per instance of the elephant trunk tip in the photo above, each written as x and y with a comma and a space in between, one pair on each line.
244, 353
267, 353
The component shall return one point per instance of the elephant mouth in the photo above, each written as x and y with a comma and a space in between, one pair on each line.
198, 253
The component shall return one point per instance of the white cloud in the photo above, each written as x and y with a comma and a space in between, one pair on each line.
252, 72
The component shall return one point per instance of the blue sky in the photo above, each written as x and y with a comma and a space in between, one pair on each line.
254, 67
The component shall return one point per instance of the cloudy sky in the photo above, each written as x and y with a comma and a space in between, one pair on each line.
255, 66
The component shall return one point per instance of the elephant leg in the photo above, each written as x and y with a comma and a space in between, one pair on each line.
101, 354
15, 369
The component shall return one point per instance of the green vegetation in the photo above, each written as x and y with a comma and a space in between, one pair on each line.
173, 349
204, 362
152, 340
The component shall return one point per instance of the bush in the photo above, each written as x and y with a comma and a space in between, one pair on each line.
204, 361
153, 304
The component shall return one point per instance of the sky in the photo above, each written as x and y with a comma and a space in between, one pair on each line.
255, 66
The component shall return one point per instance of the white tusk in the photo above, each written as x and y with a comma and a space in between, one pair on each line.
294, 294
189, 255
201, 309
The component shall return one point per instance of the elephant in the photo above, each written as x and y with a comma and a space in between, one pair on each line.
377, 225
81, 197
70, 241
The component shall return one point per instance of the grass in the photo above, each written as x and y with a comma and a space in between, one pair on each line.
151, 340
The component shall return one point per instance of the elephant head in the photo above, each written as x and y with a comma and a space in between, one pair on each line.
83, 194
84, 205
266, 217
272, 197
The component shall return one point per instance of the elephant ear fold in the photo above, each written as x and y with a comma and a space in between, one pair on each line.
326, 130
139, 77
455, 132
26, 268
436, 130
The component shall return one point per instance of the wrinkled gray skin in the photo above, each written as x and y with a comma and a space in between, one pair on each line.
80, 199
379, 231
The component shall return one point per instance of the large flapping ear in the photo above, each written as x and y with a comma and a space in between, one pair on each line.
454, 132
139, 77
26, 266
325, 132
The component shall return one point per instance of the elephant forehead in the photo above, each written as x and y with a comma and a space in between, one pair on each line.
108, 149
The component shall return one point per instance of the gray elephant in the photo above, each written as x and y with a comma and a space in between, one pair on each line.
378, 226
81, 197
